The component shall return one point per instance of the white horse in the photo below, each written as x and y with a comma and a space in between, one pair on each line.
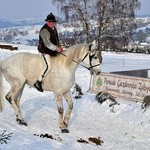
24, 68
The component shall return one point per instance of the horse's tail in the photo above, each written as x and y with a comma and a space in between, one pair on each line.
1, 89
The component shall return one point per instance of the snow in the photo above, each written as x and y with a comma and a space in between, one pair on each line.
124, 61
126, 129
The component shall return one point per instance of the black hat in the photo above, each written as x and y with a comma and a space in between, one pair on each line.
50, 17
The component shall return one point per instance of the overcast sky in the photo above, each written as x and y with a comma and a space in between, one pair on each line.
14, 9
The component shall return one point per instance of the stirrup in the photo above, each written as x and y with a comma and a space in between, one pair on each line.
38, 85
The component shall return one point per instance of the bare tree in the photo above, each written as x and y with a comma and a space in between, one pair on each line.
115, 17
75, 11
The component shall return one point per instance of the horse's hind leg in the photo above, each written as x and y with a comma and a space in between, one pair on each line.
13, 97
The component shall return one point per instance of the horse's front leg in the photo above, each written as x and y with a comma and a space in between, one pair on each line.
68, 98
60, 108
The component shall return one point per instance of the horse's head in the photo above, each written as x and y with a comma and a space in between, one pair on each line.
92, 60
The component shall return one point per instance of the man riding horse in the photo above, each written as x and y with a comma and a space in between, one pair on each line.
48, 46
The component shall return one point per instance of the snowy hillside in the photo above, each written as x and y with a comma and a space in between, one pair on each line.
126, 129
4, 23
26, 31
28, 35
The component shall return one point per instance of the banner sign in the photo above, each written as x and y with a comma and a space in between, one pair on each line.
131, 88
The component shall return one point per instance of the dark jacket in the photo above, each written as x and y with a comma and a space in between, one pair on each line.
53, 40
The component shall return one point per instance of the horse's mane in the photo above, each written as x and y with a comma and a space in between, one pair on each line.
72, 53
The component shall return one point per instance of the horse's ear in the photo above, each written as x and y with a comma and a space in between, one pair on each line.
94, 45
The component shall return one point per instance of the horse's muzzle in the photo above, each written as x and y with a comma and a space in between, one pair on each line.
96, 72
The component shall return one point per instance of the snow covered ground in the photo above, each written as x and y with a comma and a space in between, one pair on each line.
126, 129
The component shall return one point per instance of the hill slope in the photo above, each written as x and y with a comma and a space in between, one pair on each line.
127, 128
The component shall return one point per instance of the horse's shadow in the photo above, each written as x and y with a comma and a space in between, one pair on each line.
33, 105
42, 102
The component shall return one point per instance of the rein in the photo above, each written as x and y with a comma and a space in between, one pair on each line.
76, 61
90, 59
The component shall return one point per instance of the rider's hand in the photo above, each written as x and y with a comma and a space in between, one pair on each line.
59, 49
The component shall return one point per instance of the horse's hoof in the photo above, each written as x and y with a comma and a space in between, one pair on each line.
64, 130
21, 122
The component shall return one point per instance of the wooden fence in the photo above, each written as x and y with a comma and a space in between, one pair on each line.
9, 47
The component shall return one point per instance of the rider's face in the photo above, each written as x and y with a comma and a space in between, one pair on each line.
51, 23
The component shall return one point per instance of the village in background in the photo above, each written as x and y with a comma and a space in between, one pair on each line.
26, 31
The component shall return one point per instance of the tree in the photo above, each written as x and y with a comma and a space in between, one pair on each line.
115, 18
76, 10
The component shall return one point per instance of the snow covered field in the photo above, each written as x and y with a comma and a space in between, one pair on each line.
126, 129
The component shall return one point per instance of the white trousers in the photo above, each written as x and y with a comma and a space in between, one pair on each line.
46, 66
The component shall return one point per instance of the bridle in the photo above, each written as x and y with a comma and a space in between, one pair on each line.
90, 59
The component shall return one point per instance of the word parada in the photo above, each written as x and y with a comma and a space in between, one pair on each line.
131, 88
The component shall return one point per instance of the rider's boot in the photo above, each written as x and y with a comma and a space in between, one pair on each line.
38, 85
